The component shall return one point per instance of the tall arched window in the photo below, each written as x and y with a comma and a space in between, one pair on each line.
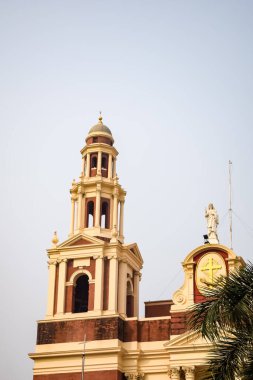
81, 294
90, 214
104, 165
93, 162
105, 217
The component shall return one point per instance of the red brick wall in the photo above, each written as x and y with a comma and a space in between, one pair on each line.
98, 375
69, 299
100, 139
153, 330
91, 268
91, 296
157, 309
73, 331
178, 323
102, 329
130, 331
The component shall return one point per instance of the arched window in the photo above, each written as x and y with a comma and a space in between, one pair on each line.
104, 162
105, 218
94, 162
90, 214
81, 294
130, 300
104, 165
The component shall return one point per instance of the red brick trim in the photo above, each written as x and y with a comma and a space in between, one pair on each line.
96, 375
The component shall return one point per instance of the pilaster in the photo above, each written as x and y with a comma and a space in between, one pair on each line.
136, 293
51, 287
99, 280
98, 205
62, 286
110, 166
121, 224
72, 220
113, 284
99, 163
87, 174
122, 287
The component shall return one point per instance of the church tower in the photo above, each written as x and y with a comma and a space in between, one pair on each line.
93, 275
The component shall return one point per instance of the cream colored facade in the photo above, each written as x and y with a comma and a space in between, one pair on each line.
112, 270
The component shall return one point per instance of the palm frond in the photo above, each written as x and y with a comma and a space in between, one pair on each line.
228, 305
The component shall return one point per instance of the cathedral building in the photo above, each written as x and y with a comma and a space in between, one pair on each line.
92, 328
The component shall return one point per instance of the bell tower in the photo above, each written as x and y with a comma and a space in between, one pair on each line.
97, 199
94, 273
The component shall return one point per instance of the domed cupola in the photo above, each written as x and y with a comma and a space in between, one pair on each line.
99, 133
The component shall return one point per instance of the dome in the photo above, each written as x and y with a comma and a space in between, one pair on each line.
100, 127
100, 133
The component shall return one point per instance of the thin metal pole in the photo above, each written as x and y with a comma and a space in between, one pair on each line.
230, 205
83, 356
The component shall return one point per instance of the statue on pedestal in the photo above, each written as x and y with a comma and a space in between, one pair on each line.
212, 223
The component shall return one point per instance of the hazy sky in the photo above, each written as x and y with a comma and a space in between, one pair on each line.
174, 82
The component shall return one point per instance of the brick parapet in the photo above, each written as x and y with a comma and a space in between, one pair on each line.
179, 323
96, 375
102, 329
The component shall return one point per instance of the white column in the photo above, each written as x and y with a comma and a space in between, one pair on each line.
98, 206
87, 174
51, 288
121, 223
114, 168
83, 166
136, 294
99, 163
115, 210
72, 221
113, 284
122, 287
99, 281
61, 286
76, 214
110, 166
189, 373
174, 373
80, 208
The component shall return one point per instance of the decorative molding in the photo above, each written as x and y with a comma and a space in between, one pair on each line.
179, 298
189, 372
95, 257
174, 373
77, 273
134, 375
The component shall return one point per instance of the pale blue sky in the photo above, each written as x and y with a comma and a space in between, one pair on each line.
174, 81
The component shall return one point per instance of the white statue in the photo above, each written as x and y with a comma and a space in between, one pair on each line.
212, 223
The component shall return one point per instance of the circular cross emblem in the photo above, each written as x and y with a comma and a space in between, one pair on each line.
209, 267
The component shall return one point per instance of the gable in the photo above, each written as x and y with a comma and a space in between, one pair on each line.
80, 240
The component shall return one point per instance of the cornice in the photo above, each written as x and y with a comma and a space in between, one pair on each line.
96, 147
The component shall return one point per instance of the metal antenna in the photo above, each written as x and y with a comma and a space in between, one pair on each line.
83, 356
230, 205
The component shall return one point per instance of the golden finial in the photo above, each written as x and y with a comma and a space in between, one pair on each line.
100, 119
55, 239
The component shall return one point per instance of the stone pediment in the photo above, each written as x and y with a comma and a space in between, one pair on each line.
135, 250
189, 339
188, 349
80, 240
